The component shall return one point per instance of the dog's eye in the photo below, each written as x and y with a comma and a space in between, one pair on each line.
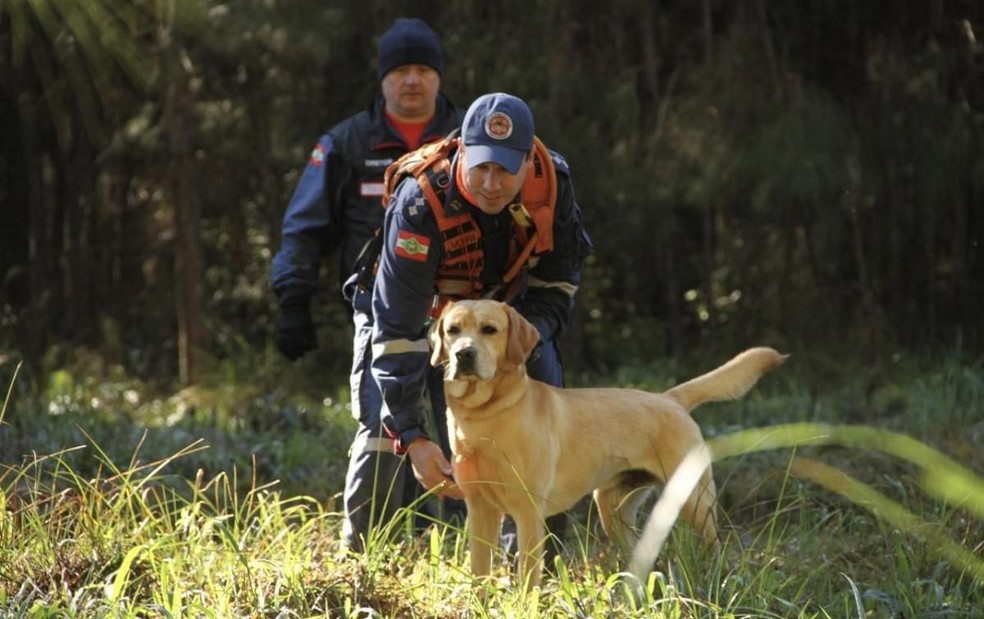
453, 330
489, 330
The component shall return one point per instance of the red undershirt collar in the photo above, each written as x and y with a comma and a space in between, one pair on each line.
411, 132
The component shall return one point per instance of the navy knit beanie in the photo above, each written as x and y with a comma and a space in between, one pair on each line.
409, 41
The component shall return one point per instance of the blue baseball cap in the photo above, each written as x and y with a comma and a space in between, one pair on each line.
498, 128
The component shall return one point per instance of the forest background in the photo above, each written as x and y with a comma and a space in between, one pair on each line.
805, 174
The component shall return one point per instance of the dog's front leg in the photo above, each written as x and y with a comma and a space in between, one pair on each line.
484, 521
530, 533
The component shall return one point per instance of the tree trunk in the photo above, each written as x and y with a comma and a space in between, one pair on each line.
15, 212
39, 241
183, 182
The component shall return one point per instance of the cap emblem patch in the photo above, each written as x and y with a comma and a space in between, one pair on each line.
498, 126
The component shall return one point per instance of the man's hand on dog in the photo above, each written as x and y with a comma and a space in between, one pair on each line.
432, 469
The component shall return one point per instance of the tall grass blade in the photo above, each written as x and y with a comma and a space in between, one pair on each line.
678, 489
115, 591
872, 500
10, 389
942, 477
856, 596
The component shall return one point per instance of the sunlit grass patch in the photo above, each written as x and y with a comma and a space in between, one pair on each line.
138, 541
818, 520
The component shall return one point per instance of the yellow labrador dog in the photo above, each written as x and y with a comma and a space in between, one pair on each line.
530, 450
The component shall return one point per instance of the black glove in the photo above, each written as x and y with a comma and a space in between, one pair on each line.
295, 335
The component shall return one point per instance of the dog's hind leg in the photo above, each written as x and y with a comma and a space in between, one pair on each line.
618, 509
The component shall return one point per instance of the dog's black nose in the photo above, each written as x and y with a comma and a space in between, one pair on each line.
466, 359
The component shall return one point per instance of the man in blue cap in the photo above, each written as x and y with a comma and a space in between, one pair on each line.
336, 205
469, 243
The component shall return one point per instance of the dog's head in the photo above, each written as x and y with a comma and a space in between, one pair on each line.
474, 339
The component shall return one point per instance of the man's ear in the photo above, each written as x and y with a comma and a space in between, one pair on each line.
435, 336
522, 337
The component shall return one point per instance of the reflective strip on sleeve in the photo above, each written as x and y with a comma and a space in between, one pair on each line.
568, 289
399, 347
365, 444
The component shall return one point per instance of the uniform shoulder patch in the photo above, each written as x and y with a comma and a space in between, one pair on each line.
560, 164
410, 201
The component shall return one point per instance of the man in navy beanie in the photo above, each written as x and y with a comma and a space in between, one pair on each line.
336, 205
409, 41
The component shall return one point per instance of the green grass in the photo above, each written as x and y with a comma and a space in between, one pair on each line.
853, 499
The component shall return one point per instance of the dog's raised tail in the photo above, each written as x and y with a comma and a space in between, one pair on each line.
730, 381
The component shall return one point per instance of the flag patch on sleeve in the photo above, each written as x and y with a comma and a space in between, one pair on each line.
412, 246
317, 158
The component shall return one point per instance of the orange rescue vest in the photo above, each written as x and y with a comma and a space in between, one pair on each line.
459, 274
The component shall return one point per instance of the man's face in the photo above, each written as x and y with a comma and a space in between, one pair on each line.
492, 186
411, 91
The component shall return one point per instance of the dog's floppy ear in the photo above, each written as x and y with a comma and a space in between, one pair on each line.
522, 337
435, 336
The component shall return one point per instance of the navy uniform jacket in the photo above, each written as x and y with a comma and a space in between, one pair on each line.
404, 288
337, 200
